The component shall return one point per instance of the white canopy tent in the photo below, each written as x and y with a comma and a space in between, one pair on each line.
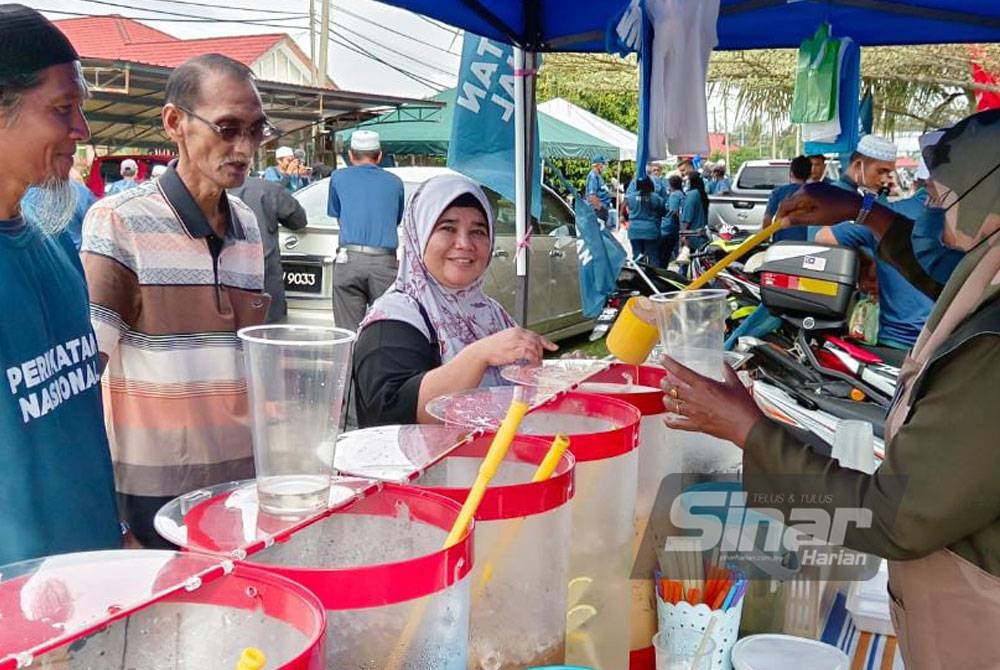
590, 123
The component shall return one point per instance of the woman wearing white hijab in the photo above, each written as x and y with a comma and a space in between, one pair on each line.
935, 500
435, 331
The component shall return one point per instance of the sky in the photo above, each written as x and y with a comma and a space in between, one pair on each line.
418, 56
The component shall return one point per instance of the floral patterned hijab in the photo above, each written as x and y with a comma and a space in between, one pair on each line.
459, 316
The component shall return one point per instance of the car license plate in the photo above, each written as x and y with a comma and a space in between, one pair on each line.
302, 277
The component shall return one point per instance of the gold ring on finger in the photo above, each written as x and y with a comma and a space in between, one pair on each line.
673, 392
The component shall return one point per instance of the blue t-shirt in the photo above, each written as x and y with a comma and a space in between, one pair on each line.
671, 223
778, 195
120, 186
644, 216
692, 212
58, 491
723, 185
292, 182
368, 201
596, 186
903, 309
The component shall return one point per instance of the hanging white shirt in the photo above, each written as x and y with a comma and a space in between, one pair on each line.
683, 39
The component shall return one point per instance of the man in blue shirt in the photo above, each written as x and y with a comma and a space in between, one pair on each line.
58, 486
129, 168
798, 174
368, 202
903, 309
289, 171
719, 183
597, 193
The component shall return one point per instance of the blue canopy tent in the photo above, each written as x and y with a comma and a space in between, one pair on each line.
582, 25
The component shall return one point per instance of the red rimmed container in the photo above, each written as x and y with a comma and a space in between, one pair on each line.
639, 386
604, 436
154, 609
394, 598
518, 615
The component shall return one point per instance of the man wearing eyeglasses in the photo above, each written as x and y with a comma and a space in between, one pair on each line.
175, 267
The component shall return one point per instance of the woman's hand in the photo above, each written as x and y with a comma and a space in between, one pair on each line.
512, 345
721, 409
819, 205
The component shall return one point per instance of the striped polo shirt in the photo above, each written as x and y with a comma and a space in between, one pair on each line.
167, 297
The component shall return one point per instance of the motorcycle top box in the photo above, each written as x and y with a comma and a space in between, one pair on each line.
808, 279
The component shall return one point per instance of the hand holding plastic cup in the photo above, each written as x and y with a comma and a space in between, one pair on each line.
692, 327
296, 376
683, 650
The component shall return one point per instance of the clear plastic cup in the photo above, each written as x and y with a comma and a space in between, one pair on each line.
676, 650
692, 327
296, 377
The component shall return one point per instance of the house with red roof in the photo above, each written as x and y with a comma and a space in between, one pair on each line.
272, 57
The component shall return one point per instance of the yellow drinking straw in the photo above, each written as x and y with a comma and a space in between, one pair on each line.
544, 471
251, 659
498, 449
494, 456
632, 339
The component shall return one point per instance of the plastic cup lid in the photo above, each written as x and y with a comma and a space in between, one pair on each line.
47, 603
554, 376
786, 652
395, 453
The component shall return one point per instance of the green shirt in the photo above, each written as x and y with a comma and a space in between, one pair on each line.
940, 483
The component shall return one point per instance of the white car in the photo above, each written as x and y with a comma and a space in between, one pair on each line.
554, 287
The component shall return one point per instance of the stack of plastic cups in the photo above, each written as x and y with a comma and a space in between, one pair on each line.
639, 385
518, 616
692, 327
603, 437
155, 609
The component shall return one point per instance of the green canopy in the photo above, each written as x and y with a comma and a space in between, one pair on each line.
426, 131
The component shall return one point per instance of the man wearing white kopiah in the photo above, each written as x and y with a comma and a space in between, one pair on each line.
57, 493
368, 201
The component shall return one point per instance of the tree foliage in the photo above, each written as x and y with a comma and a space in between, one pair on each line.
914, 87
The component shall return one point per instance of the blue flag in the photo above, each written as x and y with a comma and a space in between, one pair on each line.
482, 130
600, 259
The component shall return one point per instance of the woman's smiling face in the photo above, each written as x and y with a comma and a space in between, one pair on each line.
458, 249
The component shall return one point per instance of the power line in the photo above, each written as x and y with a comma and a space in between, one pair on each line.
388, 29
187, 18
351, 46
431, 66
240, 9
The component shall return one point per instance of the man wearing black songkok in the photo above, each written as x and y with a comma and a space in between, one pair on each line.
57, 489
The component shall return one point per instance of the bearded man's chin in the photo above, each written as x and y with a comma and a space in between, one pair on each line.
51, 204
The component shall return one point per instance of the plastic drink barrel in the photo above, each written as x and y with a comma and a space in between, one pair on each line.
518, 615
392, 594
639, 386
604, 438
296, 377
148, 609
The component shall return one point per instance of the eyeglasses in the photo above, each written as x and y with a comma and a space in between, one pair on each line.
257, 132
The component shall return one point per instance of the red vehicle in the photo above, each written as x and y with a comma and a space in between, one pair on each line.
107, 169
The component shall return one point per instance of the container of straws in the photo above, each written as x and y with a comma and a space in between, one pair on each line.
692, 591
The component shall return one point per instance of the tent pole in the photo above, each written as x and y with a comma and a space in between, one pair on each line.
524, 115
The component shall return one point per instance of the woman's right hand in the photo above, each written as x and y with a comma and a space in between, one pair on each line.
512, 345
819, 205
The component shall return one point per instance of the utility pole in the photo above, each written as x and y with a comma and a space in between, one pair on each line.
725, 127
774, 140
312, 42
324, 42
